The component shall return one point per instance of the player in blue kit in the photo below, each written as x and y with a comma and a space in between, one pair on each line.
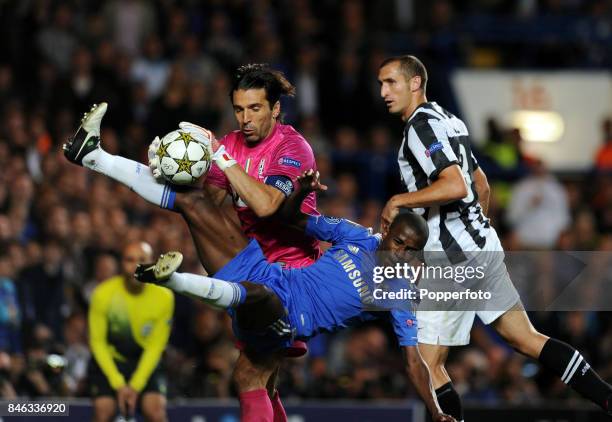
271, 306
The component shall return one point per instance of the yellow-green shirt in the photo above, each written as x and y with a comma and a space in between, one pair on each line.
126, 327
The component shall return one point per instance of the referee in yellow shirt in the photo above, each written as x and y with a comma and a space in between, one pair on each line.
129, 326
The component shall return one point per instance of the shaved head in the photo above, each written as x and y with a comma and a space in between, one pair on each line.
135, 253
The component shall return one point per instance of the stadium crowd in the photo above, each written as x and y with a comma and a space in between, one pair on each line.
161, 62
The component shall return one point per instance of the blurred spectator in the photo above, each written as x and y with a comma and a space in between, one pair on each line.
307, 82
380, 166
515, 385
76, 354
58, 41
602, 204
130, 22
10, 314
221, 43
474, 380
197, 65
538, 210
503, 161
7, 391
105, 266
210, 357
43, 289
347, 193
152, 69
310, 127
347, 156
43, 372
80, 87
603, 158
585, 230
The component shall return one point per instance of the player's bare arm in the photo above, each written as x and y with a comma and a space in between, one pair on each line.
263, 199
448, 187
482, 187
291, 212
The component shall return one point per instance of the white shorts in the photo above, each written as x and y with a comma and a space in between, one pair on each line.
453, 327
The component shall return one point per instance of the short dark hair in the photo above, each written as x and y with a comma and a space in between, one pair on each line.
410, 66
258, 76
415, 222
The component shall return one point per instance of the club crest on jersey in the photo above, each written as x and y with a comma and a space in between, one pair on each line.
286, 161
409, 322
436, 146
146, 329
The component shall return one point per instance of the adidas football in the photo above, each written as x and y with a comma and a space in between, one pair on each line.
182, 159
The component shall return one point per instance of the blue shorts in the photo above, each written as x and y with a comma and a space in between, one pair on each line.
251, 265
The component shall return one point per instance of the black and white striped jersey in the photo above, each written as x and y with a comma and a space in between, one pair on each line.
435, 139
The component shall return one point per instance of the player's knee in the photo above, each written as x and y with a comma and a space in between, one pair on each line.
248, 378
104, 410
103, 416
257, 293
154, 408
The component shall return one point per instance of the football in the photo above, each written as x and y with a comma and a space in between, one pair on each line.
182, 159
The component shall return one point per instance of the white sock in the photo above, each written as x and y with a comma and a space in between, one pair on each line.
215, 292
135, 175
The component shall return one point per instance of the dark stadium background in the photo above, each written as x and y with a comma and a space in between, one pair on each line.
61, 227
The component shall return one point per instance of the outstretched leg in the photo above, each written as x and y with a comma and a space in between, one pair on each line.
257, 309
514, 326
217, 238
84, 150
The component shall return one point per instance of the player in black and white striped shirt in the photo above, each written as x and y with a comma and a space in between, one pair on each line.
445, 184
434, 141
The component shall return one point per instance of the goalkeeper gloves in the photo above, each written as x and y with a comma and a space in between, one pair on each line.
218, 153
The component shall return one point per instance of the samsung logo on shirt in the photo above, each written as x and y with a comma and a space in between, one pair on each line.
286, 161
354, 275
